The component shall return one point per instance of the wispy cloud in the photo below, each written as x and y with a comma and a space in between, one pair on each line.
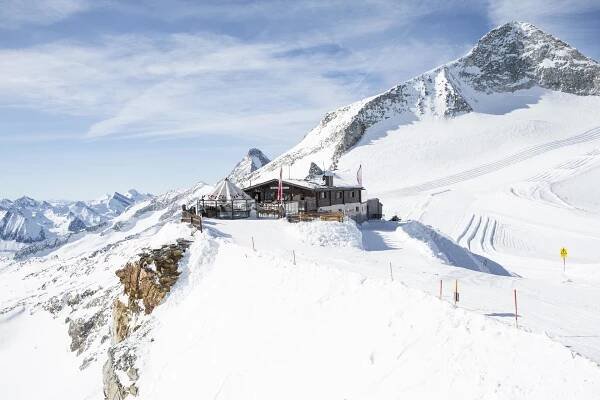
201, 84
502, 11
16, 13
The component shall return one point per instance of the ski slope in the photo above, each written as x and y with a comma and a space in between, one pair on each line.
588, 136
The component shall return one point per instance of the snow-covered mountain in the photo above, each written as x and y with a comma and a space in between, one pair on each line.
27, 220
114, 204
252, 161
514, 57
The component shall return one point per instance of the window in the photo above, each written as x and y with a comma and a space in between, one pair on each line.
356, 206
352, 193
323, 195
339, 195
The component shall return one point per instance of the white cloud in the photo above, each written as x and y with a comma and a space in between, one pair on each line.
15, 13
200, 84
205, 84
501, 11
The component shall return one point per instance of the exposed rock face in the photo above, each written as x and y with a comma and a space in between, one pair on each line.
252, 161
511, 57
81, 329
76, 225
145, 282
314, 170
518, 55
148, 280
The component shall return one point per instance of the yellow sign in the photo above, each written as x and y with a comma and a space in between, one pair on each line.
564, 252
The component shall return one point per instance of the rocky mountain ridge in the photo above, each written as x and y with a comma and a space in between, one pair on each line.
515, 56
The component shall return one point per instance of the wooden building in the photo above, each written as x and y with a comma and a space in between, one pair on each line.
305, 195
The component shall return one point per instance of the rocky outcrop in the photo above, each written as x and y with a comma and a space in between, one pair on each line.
145, 282
314, 171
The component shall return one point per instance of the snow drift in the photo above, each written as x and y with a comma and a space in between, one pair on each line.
444, 248
328, 233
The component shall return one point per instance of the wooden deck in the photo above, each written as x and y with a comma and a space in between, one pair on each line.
314, 215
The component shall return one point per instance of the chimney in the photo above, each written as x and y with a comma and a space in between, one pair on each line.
328, 178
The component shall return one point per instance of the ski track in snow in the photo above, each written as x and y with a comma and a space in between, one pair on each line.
590, 135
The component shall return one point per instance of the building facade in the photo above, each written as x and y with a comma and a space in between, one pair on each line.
304, 195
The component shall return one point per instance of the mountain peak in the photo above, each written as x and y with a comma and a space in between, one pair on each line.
512, 57
252, 161
518, 55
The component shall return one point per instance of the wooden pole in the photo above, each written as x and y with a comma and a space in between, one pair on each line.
294, 255
516, 309
455, 292
440, 289
391, 272
253, 249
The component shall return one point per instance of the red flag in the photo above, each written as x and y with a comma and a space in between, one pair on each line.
359, 175
280, 186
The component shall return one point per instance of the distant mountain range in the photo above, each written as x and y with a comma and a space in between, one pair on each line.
26, 220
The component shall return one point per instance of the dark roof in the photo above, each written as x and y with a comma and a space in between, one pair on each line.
304, 184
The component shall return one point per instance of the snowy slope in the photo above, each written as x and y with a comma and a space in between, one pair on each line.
253, 323
263, 328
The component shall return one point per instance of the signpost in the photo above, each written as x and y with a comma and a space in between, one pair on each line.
563, 254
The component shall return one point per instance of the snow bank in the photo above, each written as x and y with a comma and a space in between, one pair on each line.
328, 233
169, 233
448, 251
255, 328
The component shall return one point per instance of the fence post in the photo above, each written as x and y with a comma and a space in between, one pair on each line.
440, 289
391, 272
253, 249
516, 309
456, 296
294, 255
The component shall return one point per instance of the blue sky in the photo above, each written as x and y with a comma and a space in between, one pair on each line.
101, 96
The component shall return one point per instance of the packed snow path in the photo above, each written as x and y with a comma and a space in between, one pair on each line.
590, 135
